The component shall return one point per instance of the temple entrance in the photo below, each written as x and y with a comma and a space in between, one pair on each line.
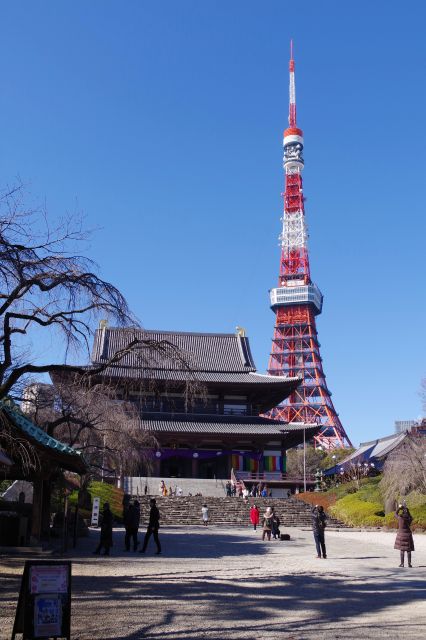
176, 467
214, 468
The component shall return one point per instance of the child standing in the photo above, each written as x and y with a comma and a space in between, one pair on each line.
205, 514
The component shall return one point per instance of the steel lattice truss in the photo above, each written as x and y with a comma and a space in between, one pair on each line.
296, 301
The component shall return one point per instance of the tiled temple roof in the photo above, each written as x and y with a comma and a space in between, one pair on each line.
231, 425
224, 352
221, 358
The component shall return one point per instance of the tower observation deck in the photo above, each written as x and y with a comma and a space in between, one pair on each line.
296, 302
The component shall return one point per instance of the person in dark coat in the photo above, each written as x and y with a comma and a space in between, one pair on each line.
275, 525
131, 524
105, 541
153, 526
404, 537
319, 522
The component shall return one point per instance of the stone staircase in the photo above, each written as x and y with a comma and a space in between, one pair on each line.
227, 512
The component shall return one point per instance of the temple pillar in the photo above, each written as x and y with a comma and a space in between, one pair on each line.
36, 518
45, 508
194, 468
229, 464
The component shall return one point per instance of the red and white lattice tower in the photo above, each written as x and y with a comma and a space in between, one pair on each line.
296, 301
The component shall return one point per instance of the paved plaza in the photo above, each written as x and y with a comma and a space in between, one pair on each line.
216, 583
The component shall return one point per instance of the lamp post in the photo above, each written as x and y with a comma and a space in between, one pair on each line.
304, 459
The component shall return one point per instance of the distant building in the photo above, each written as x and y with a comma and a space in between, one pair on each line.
374, 453
37, 396
404, 425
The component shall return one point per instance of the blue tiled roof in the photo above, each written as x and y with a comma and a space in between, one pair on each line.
33, 431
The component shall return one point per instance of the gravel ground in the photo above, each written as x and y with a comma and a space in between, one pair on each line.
217, 583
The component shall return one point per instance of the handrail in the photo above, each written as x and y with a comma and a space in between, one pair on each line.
271, 475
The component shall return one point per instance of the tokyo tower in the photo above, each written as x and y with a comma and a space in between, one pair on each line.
296, 301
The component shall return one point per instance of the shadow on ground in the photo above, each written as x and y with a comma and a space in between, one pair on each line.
329, 600
169, 602
194, 543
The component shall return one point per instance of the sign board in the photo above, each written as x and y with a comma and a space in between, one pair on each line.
44, 604
95, 512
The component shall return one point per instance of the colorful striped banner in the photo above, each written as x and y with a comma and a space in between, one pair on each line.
272, 463
245, 463
237, 462
250, 464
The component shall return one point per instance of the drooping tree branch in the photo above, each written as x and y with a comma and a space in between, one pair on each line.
46, 284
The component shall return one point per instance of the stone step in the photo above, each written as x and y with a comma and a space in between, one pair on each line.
225, 511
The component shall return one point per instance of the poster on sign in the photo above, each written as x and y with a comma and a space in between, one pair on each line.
49, 579
95, 512
47, 616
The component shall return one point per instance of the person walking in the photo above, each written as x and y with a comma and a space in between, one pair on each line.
267, 523
105, 541
153, 526
205, 514
254, 516
131, 524
319, 522
404, 537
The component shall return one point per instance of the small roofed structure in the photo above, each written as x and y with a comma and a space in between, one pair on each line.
28, 453
219, 426
372, 453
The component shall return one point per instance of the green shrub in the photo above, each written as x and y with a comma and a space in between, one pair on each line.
419, 516
5, 484
416, 499
356, 511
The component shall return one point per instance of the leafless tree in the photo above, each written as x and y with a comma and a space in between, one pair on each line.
405, 469
18, 448
47, 287
354, 472
314, 458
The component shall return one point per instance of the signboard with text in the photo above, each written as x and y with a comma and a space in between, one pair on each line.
44, 604
95, 512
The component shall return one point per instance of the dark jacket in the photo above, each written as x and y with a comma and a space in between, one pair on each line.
404, 538
106, 528
132, 517
154, 518
275, 524
319, 520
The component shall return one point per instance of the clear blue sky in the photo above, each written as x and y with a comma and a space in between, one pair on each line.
162, 122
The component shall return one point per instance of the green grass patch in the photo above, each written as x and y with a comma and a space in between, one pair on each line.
107, 493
